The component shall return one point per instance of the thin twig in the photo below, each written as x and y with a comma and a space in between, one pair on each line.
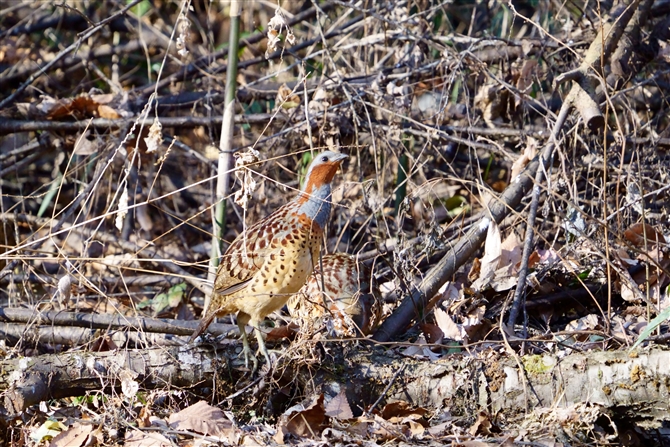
386, 390
82, 37
108, 321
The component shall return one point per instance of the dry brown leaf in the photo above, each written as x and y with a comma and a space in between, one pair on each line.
279, 435
107, 112
205, 419
400, 417
420, 350
416, 428
11, 53
385, 430
319, 101
638, 233
144, 417
339, 408
103, 343
287, 331
304, 421
84, 146
655, 255
81, 107
440, 429
505, 278
511, 250
448, 327
482, 425
360, 427
473, 274
526, 75
491, 260
286, 99
400, 409
136, 438
432, 332
75, 436
533, 259
624, 257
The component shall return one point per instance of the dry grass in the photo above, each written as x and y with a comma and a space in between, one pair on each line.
434, 102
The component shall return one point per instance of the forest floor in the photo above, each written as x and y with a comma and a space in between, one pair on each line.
506, 187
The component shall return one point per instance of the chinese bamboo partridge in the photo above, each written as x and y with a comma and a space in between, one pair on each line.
272, 259
350, 299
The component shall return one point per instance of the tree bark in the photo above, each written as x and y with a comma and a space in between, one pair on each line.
635, 384
66, 320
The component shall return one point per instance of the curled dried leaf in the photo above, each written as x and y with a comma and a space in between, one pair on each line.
275, 26
243, 174
155, 138
123, 209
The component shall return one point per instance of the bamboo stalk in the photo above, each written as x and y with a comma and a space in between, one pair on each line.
226, 143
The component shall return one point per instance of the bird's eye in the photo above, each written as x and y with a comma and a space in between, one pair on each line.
324, 159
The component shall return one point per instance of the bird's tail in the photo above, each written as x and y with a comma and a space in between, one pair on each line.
204, 323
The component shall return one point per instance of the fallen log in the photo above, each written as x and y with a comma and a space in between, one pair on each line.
635, 384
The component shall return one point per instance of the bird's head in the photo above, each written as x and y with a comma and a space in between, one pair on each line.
322, 170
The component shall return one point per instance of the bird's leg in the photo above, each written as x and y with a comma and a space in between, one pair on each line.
261, 346
246, 350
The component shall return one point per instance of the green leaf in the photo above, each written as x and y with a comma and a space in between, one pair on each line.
290, 105
584, 275
456, 205
255, 107
455, 90
141, 8
651, 327
164, 301
437, 20
304, 165
454, 347
78, 400
454, 202
50, 195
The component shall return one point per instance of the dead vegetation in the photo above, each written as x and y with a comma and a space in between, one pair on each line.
507, 187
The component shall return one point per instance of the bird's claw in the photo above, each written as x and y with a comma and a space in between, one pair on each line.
248, 355
254, 357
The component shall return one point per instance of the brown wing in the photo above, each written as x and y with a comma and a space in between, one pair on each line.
249, 250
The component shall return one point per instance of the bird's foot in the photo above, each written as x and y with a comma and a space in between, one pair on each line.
270, 355
269, 360
248, 355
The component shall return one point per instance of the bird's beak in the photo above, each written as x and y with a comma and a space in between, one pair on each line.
339, 158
